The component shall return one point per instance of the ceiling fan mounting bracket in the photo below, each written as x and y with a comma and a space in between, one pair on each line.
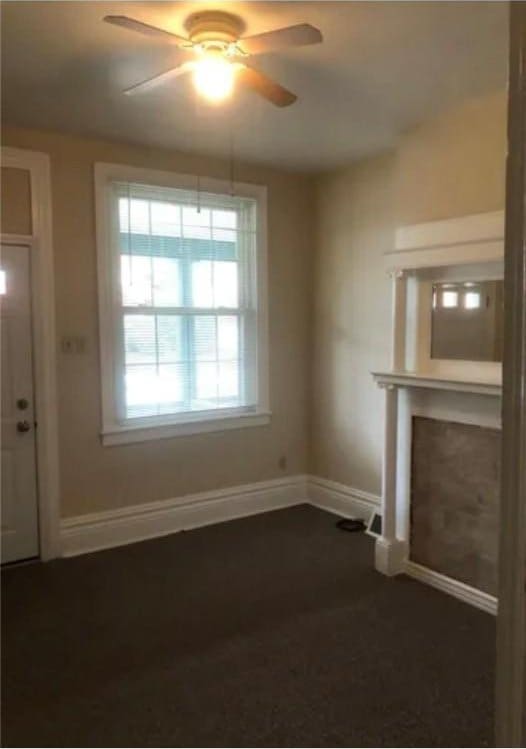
211, 26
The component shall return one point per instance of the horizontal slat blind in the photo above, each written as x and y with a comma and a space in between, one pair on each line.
186, 306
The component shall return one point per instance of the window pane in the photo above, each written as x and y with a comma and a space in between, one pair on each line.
228, 386
138, 221
472, 300
166, 219
206, 381
227, 338
225, 284
136, 280
139, 339
202, 288
205, 338
224, 219
449, 299
224, 225
170, 388
141, 391
196, 224
150, 392
170, 338
214, 284
167, 291
224, 235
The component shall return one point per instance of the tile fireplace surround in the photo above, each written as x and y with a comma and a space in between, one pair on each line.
454, 500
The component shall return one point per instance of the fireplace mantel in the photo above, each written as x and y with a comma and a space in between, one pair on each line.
414, 380
417, 384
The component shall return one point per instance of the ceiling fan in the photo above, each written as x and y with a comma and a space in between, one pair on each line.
216, 54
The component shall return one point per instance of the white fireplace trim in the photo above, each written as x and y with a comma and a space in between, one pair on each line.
475, 227
455, 588
478, 237
412, 379
456, 246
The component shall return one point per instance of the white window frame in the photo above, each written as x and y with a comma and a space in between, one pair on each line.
114, 431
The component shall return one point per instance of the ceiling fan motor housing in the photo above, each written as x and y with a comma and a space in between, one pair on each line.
212, 27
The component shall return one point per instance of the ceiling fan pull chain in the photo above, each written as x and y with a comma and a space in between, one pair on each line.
198, 193
130, 259
232, 183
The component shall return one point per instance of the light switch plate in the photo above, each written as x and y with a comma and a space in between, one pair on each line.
71, 344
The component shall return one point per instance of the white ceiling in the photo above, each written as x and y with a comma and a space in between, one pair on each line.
383, 67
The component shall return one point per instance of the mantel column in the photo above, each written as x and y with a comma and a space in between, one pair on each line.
398, 333
389, 551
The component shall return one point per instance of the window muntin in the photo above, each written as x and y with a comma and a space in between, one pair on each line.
186, 302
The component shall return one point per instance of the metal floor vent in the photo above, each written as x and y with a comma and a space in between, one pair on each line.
374, 527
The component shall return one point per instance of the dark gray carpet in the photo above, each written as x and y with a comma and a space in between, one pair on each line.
269, 631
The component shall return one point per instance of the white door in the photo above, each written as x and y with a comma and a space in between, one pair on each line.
19, 511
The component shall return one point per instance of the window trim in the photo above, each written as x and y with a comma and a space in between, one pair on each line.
114, 432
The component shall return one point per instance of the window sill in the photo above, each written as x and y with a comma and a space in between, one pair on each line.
123, 435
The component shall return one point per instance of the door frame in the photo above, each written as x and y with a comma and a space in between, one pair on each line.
40, 243
510, 690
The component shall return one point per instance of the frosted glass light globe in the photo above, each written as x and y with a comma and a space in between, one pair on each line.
214, 78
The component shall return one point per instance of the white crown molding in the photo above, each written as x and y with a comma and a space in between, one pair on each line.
455, 588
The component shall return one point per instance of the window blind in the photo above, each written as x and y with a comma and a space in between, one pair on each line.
186, 301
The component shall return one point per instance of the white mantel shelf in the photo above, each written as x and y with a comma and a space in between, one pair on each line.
413, 380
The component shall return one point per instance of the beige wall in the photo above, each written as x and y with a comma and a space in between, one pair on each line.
455, 164
449, 167
95, 477
15, 195
351, 313
329, 307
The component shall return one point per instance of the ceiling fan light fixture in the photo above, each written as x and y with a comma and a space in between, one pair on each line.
214, 78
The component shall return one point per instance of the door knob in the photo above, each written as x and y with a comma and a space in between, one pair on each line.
23, 426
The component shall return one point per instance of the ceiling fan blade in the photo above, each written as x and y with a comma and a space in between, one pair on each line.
265, 87
158, 80
290, 36
145, 28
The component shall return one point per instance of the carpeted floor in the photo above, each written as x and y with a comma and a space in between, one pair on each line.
269, 631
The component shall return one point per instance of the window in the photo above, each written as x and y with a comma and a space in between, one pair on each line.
450, 299
472, 299
182, 318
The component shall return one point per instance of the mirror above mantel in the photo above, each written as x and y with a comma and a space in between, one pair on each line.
467, 320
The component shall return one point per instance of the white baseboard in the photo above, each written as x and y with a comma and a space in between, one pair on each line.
455, 588
341, 499
109, 528
103, 530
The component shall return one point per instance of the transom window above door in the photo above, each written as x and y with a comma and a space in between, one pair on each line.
183, 323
